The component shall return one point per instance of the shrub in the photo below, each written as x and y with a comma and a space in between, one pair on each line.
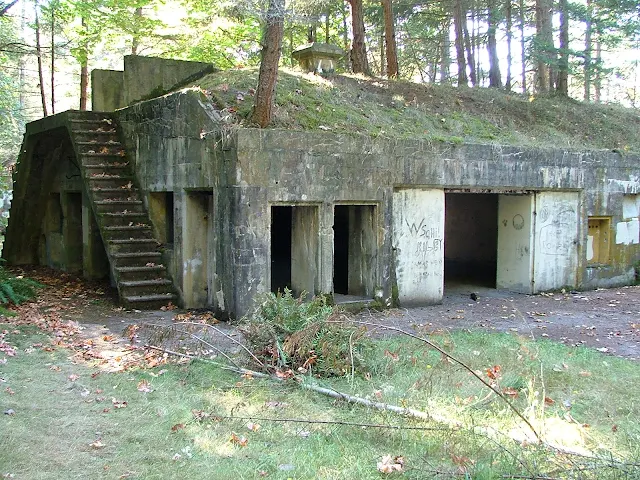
15, 290
290, 333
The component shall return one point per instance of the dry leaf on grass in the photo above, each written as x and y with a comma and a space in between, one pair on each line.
390, 464
144, 386
238, 440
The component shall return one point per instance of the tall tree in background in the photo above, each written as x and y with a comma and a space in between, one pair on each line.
43, 96
262, 112
588, 50
495, 78
459, 18
543, 45
359, 61
391, 47
5, 6
562, 83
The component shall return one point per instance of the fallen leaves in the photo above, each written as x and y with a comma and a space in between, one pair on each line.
118, 403
144, 386
176, 427
240, 441
97, 444
389, 464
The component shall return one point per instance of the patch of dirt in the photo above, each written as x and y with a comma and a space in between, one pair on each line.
604, 319
608, 320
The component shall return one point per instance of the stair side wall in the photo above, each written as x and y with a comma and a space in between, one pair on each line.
50, 221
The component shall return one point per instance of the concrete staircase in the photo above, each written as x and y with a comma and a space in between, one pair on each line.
126, 230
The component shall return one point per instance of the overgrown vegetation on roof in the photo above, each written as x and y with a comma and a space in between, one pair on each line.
401, 109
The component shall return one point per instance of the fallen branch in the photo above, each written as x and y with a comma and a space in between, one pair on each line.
331, 422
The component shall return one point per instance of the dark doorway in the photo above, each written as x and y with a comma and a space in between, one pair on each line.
354, 250
281, 222
341, 249
471, 239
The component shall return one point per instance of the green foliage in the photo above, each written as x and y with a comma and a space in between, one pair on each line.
16, 290
292, 333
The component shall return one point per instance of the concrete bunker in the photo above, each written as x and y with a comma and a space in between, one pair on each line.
236, 213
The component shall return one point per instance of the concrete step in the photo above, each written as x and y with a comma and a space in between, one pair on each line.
141, 269
144, 255
146, 283
153, 301
118, 202
134, 241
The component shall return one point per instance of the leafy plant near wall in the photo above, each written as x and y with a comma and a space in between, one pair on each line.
15, 290
290, 333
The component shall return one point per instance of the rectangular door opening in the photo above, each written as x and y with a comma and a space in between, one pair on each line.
471, 240
294, 249
72, 231
354, 250
281, 218
199, 265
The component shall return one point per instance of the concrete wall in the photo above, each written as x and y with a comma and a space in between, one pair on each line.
143, 78
107, 90
148, 77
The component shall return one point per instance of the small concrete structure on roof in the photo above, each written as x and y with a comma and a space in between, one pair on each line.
215, 219
318, 57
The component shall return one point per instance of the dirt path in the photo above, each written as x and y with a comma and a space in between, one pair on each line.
608, 320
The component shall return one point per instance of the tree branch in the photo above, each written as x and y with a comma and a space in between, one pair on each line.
5, 8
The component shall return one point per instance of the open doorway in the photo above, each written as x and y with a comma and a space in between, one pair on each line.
294, 248
354, 250
199, 258
471, 240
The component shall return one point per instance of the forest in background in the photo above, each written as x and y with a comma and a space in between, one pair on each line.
587, 50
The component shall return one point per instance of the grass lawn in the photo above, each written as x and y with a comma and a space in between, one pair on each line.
67, 417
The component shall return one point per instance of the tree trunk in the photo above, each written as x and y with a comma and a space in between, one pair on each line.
587, 53
523, 47
53, 58
544, 44
383, 57
21, 58
267, 78
345, 30
84, 73
458, 20
562, 86
39, 56
84, 85
509, 27
470, 58
391, 46
495, 77
135, 41
359, 61
445, 60
597, 81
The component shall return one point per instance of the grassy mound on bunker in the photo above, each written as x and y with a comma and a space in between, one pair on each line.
349, 104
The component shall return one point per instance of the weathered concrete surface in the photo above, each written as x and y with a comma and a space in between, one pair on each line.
49, 221
143, 78
418, 245
172, 154
148, 77
107, 90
